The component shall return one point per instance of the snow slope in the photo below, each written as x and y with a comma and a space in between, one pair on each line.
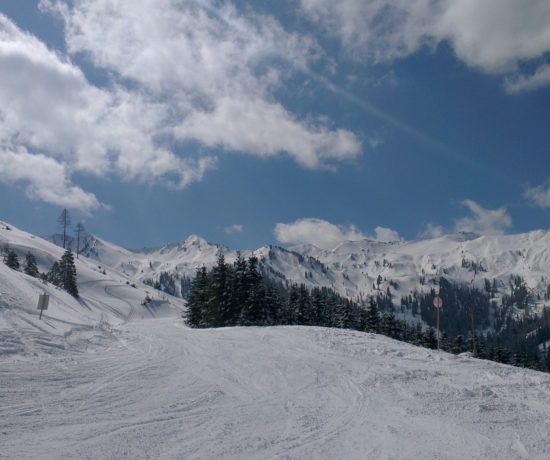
107, 297
104, 377
163, 391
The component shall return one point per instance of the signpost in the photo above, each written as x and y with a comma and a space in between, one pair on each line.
438, 304
43, 301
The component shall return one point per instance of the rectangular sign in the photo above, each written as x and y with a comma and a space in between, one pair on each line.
43, 301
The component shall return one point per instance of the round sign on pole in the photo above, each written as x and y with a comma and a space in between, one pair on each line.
438, 302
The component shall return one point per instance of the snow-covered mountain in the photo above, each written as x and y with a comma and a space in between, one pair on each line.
357, 269
104, 376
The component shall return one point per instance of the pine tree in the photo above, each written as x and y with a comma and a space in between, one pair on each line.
458, 344
303, 306
253, 313
55, 276
430, 338
318, 307
373, 317
238, 290
68, 273
342, 313
198, 297
11, 259
31, 268
218, 308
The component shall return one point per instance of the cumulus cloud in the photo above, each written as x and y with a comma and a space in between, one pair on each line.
48, 106
235, 228
44, 179
494, 36
215, 69
318, 232
327, 235
174, 67
539, 195
386, 235
483, 221
264, 128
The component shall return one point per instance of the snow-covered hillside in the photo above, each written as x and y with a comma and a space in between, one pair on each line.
106, 377
107, 297
357, 269
163, 391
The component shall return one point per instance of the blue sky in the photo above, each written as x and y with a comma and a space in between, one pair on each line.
275, 122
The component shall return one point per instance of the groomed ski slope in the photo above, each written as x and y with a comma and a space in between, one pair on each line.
156, 389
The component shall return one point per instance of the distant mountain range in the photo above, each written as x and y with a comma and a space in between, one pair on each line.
356, 269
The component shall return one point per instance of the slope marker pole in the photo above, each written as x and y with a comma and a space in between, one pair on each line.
438, 303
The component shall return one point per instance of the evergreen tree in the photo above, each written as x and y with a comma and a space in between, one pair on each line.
68, 273
218, 308
430, 338
318, 307
11, 259
55, 276
238, 291
273, 307
198, 297
342, 314
31, 268
304, 308
253, 313
292, 304
458, 344
417, 335
373, 317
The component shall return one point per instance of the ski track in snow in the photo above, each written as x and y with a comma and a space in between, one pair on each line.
161, 390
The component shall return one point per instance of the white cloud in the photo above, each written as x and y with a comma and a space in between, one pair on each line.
327, 235
494, 36
521, 83
261, 128
483, 221
45, 179
48, 106
386, 235
214, 68
318, 232
539, 195
173, 67
235, 228
432, 231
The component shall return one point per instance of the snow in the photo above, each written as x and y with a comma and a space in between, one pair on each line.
105, 377
161, 390
106, 296
354, 267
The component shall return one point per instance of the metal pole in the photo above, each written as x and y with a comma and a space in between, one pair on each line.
438, 333
438, 303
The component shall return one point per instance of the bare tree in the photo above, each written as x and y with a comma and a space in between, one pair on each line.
64, 220
80, 230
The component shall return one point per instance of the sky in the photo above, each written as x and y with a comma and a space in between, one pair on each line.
288, 122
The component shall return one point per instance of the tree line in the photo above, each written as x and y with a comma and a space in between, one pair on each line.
239, 294
61, 274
